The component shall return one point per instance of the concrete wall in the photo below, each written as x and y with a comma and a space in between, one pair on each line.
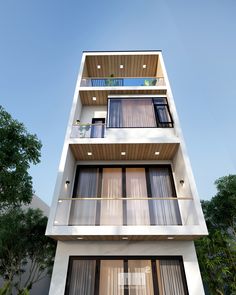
124, 248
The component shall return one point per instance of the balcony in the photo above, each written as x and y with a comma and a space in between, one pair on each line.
96, 130
126, 212
122, 82
109, 202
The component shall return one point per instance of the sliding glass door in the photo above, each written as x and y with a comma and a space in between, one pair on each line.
166, 211
124, 195
111, 277
81, 277
111, 208
83, 210
126, 276
136, 192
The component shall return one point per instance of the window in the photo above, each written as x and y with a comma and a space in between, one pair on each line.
124, 195
139, 113
162, 112
126, 276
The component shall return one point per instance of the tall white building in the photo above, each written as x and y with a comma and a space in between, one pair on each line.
125, 209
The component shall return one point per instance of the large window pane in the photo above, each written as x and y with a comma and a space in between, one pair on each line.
121, 276
82, 277
171, 277
164, 212
136, 188
131, 113
83, 212
140, 279
115, 113
111, 210
111, 277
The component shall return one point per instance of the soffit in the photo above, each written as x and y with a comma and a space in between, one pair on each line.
112, 152
102, 95
110, 65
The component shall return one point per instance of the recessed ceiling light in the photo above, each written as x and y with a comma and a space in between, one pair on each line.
144, 66
123, 153
56, 222
98, 67
170, 238
80, 238
121, 66
94, 98
125, 238
157, 153
89, 153
59, 201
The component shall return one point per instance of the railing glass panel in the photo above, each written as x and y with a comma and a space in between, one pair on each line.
116, 82
126, 212
96, 130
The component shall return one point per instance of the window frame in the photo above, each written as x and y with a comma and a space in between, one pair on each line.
126, 259
158, 124
124, 189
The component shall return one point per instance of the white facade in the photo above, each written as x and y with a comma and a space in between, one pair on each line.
144, 147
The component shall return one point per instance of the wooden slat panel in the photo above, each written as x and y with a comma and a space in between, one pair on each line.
131, 238
133, 65
102, 95
110, 152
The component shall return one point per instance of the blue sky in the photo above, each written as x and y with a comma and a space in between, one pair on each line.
40, 50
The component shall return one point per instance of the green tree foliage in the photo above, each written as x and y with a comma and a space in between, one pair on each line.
23, 242
217, 252
18, 150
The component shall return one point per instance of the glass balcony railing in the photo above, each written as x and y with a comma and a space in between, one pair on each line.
125, 212
96, 130
116, 82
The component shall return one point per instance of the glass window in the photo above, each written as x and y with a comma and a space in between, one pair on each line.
126, 276
171, 277
83, 212
81, 277
162, 112
128, 113
111, 277
129, 195
139, 113
111, 210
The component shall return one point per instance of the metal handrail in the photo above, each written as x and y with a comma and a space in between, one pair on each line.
88, 124
127, 198
122, 78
